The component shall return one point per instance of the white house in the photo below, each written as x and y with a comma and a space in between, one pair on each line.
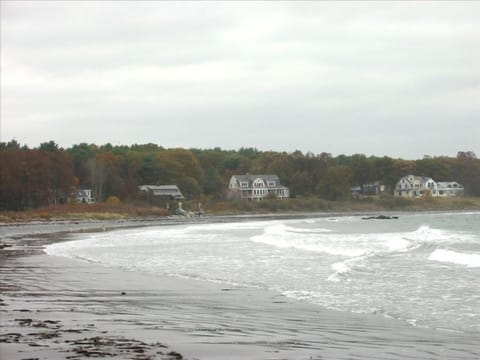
415, 186
83, 195
449, 188
257, 187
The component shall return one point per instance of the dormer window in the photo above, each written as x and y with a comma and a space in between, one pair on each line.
243, 184
271, 183
258, 183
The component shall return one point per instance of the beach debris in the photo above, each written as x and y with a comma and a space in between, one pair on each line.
33, 344
101, 346
59, 339
25, 322
379, 217
4, 245
46, 334
10, 337
175, 355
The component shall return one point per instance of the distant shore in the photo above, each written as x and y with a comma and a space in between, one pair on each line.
53, 308
141, 213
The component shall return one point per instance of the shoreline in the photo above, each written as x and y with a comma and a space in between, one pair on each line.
120, 312
12, 231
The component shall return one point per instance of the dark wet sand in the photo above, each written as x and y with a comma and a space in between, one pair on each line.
57, 308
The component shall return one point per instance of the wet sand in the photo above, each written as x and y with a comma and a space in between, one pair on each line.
56, 308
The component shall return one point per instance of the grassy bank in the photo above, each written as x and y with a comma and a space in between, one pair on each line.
100, 211
312, 204
104, 211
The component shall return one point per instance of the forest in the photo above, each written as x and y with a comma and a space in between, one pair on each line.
47, 174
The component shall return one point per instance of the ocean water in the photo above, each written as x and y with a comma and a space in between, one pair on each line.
423, 269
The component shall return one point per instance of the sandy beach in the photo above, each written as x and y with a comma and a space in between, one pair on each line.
57, 308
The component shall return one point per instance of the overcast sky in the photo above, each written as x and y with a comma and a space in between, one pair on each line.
379, 78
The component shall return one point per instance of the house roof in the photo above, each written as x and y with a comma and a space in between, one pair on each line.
248, 177
163, 190
421, 179
266, 178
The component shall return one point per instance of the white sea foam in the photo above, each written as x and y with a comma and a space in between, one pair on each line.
427, 235
340, 269
397, 244
343, 268
450, 256
282, 236
346, 244
229, 226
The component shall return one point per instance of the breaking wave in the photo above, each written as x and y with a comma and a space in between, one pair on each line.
282, 236
454, 257
357, 249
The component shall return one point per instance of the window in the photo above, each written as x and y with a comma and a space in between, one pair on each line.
258, 183
271, 183
243, 183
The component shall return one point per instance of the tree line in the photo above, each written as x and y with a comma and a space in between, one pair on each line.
34, 177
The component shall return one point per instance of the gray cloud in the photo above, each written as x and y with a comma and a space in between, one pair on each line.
400, 79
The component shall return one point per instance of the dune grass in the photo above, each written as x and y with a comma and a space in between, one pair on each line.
98, 211
314, 204
118, 211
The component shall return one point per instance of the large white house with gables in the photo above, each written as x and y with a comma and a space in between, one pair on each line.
417, 186
257, 187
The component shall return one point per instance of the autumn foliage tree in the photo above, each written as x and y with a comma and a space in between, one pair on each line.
48, 174
32, 178
335, 185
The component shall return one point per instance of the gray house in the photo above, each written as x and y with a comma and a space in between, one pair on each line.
373, 188
160, 194
256, 187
